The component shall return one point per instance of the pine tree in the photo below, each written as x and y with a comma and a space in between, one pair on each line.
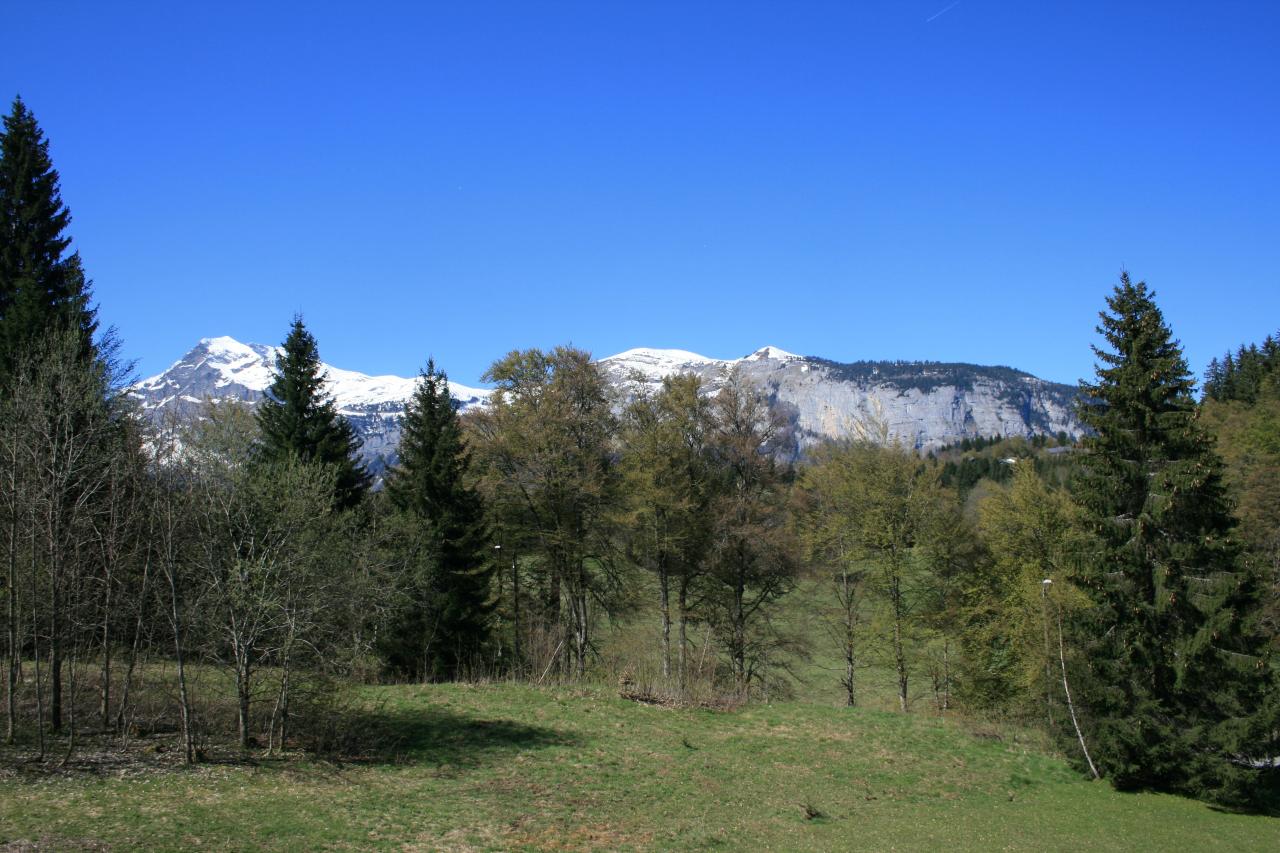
1175, 678
453, 602
41, 290
298, 419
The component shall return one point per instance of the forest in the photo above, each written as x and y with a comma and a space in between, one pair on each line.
233, 580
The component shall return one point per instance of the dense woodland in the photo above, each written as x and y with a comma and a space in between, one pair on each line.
227, 578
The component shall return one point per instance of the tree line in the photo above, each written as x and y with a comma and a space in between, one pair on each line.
226, 575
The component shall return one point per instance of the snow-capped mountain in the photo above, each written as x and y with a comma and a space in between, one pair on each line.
225, 370
921, 404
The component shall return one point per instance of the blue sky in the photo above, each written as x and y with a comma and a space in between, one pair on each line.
852, 180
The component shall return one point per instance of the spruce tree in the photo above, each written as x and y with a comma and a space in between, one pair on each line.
41, 288
1175, 679
452, 599
298, 419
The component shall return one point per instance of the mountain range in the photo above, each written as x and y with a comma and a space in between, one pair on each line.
921, 404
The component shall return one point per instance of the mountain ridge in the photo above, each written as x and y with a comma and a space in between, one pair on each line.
920, 404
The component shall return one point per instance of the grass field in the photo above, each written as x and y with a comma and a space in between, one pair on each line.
516, 767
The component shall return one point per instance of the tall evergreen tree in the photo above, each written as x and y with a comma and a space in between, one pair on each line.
41, 288
1175, 678
446, 623
298, 419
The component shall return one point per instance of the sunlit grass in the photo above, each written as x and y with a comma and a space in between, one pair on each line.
516, 767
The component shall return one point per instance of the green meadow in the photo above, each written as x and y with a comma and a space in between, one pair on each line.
520, 767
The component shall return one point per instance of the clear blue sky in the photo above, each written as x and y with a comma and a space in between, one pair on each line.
848, 179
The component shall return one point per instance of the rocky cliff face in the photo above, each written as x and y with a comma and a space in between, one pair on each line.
920, 404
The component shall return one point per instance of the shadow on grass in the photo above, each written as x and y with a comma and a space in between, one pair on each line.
427, 736
437, 736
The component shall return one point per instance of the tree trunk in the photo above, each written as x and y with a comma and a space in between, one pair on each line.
739, 635
104, 676
71, 709
184, 700
280, 713
127, 686
55, 673
899, 654
1066, 689
35, 650
11, 702
188, 740
55, 647
552, 602
664, 592
582, 639
518, 661
946, 675
682, 665
850, 606
1048, 659
243, 673
284, 708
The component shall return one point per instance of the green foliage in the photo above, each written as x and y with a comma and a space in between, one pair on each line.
668, 474
754, 556
1247, 428
549, 473
298, 419
972, 461
1174, 682
671, 484
1245, 376
272, 560
928, 375
878, 516
1032, 533
445, 622
41, 290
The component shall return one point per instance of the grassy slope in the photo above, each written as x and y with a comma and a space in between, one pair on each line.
518, 767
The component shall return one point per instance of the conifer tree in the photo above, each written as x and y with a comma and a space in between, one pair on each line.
446, 624
41, 288
298, 419
1175, 679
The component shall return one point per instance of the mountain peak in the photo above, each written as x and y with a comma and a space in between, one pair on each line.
772, 353
227, 347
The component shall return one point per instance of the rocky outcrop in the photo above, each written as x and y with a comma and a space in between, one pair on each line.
920, 404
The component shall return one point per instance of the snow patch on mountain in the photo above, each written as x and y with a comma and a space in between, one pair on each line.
223, 368
772, 354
